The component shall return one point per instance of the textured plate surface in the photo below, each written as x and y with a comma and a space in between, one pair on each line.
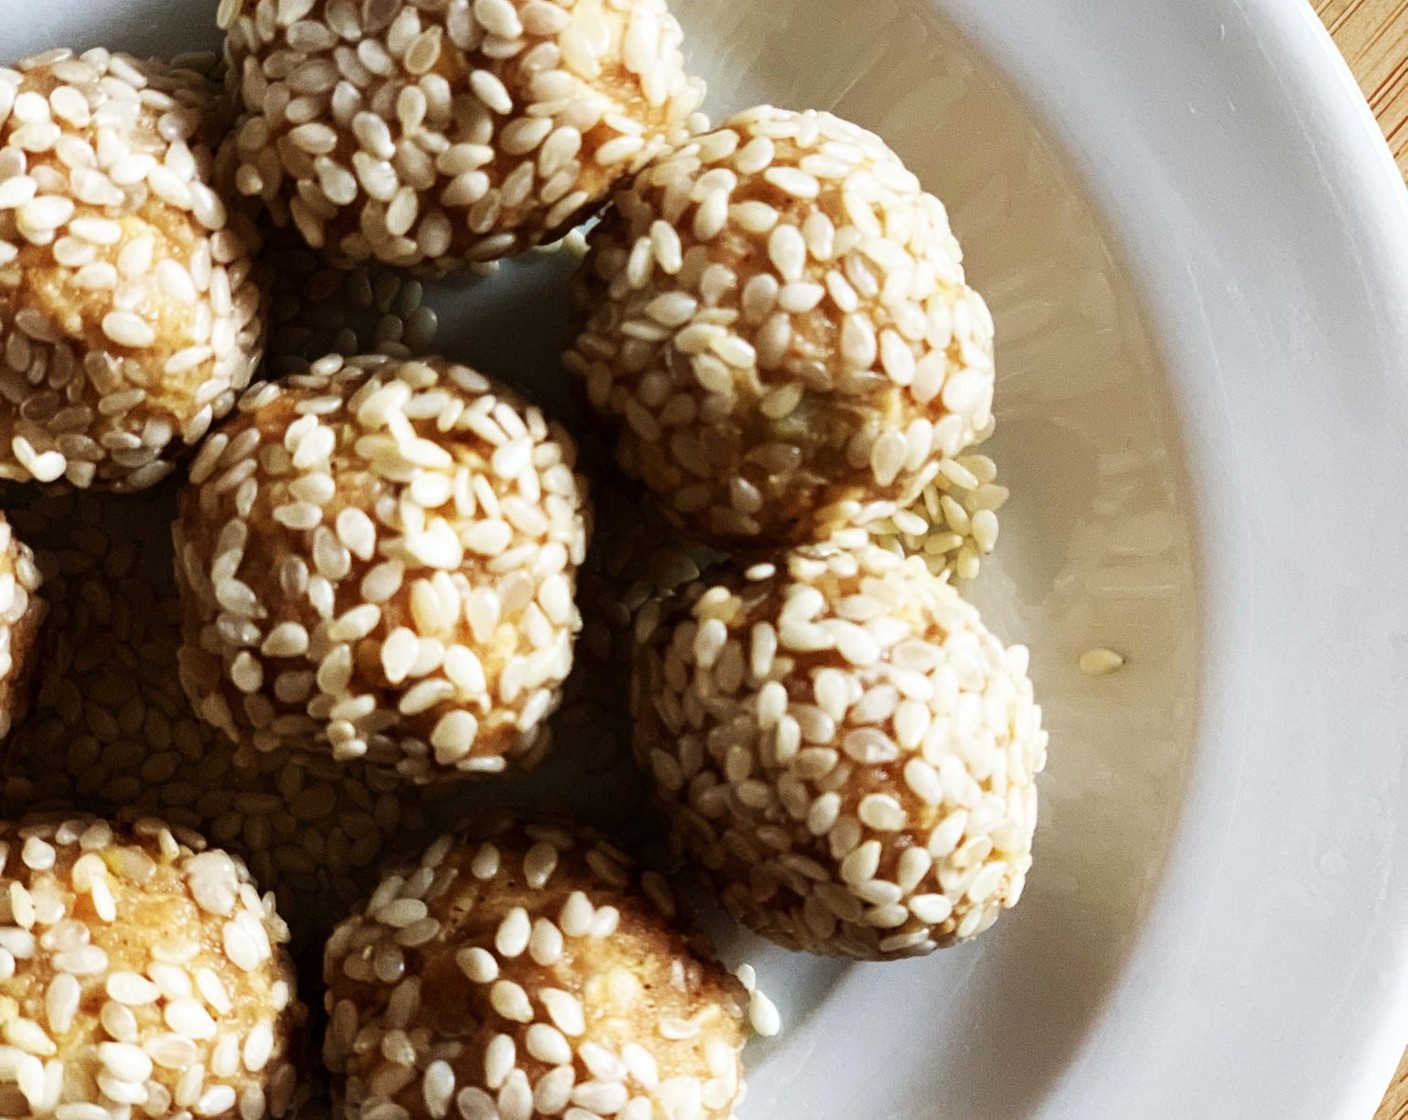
1196, 250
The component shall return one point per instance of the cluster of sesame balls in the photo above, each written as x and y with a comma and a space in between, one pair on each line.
295, 579
775, 317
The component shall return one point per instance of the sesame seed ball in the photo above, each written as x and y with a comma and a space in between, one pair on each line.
21, 612
442, 134
532, 974
844, 748
377, 561
776, 316
111, 732
139, 971
129, 319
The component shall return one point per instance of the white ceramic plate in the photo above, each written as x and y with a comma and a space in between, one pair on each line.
1196, 247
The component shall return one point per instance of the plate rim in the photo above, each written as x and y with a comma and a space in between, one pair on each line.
1327, 116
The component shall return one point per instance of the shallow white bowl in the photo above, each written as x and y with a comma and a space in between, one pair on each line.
1196, 247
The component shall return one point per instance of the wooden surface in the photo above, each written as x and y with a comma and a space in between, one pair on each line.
1395, 1106
1373, 34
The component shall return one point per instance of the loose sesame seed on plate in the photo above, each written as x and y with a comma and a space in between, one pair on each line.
1100, 661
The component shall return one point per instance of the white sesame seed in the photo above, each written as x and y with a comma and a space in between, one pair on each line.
61, 1000
16, 191
43, 214
565, 1010
258, 1047
189, 1019
486, 862
37, 855
240, 948
600, 1097
79, 1110
401, 913
97, 231
475, 1104
127, 329
763, 1015
1100, 662
132, 989
545, 944
86, 960
514, 931
788, 252
490, 90
547, 1044
932, 909
511, 1001
499, 1057
215, 1101
882, 812
539, 864
127, 1062
576, 917
478, 964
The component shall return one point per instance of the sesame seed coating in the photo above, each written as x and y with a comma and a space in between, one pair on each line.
130, 317
845, 749
636, 556
139, 969
377, 561
532, 973
776, 318
22, 612
317, 308
111, 731
952, 524
436, 135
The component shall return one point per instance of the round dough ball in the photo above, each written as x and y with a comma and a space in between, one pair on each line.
110, 730
21, 613
378, 560
129, 320
529, 974
776, 316
437, 135
139, 973
845, 749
